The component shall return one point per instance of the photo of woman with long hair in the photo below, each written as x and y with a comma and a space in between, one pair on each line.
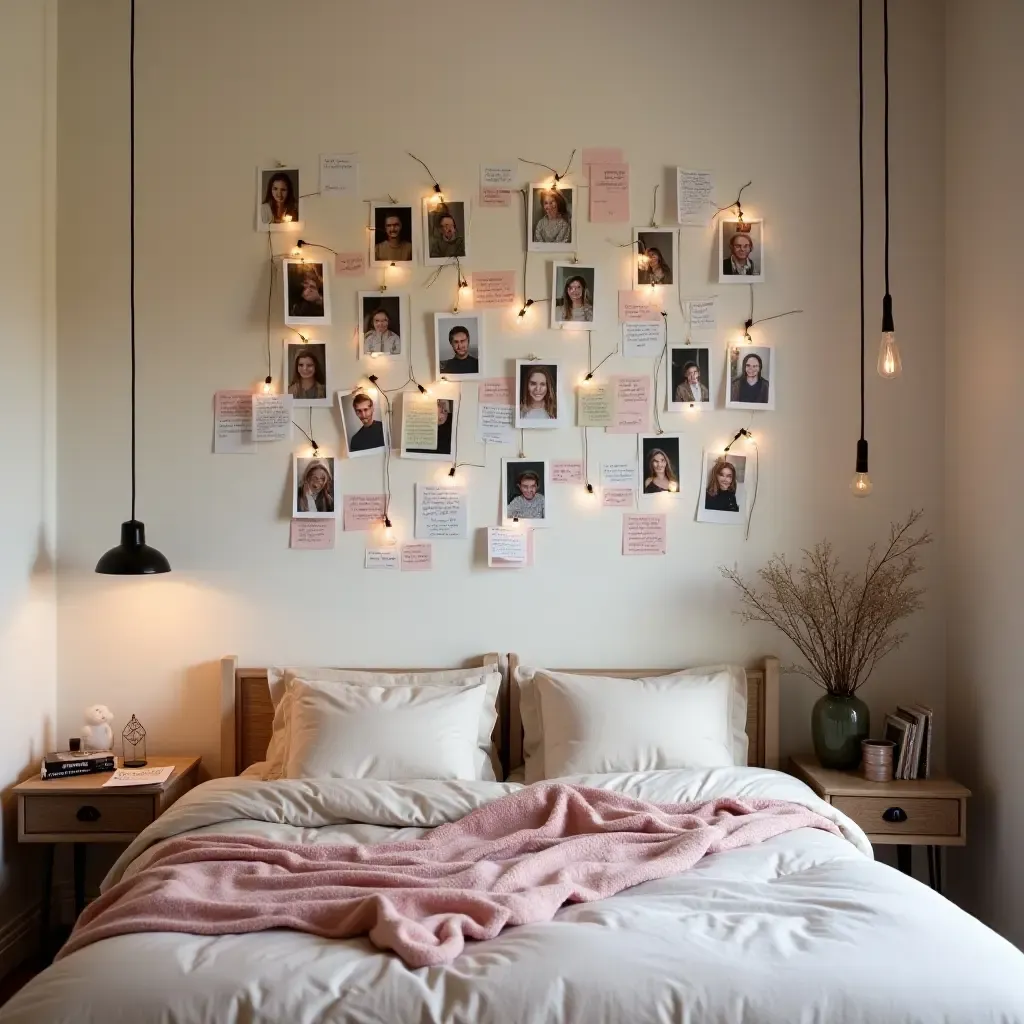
537, 399
659, 476
577, 303
279, 198
306, 297
720, 495
551, 218
307, 379
314, 488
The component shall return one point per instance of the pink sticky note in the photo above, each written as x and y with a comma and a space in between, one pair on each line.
643, 534
313, 534
600, 155
640, 306
495, 197
418, 557
567, 472
493, 289
362, 511
609, 193
496, 391
617, 497
350, 264
632, 404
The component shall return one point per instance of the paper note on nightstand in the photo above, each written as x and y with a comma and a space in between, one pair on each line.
139, 776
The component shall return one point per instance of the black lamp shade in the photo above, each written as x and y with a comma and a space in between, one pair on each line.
133, 556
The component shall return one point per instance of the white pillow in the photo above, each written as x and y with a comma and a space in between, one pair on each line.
281, 679
356, 731
575, 724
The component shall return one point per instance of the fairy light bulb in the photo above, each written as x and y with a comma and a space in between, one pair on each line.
889, 362
643, 260
861, 485
287, 218
268, 386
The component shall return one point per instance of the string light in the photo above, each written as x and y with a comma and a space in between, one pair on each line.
889, 362
268, 385
389, 532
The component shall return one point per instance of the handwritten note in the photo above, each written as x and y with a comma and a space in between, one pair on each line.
339, 174
642, 340
600, 155
496, 183
694, 190
442, 512
362, 511
609, 193
491, 197
643, 534
419, 421
632, 404
313, 534
595, 405
232, 423
382, 558
703, 318
417, 557
507, 546
567, 472
495, 424
496, 390
350, 264
271, 417
618, 474
493, 289
617, 497
640, 306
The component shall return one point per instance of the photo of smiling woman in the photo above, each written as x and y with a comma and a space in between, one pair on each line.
536, 394
382, 317
307, 300
573, 287
305, 372
313, 495
723, 498
277, 199
659, 464
550, 227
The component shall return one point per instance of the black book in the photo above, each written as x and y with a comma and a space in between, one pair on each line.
74, 758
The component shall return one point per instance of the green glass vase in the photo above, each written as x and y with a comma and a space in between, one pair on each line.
838, 724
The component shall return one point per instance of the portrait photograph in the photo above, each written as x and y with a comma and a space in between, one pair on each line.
537, 395
364, 422
382, 318
391, 239
659, 464
307, 299
551, 219
573, 289
689, 377
305, 372
277, 199
458, 346
740, 251
447, 408
723, 492
524, 486
445, 231
751, 377
313, 494
654, 256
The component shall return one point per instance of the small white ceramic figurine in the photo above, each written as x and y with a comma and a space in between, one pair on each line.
96, 733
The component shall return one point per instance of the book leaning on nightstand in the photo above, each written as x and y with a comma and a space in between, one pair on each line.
910, 728
62, 764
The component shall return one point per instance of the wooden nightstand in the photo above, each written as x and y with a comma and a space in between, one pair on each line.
903, 813
78, 810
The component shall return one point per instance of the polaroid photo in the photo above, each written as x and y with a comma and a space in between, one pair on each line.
277, 199
751, 375
524, 489
723, 493
383, 318
551, 219
307, 299
364, 422
304, 372
573, 291
391, 235
313, 494
445, 231
458, 346
659, 464
740, 251
689, 377
447, 410
538, 398
654, 256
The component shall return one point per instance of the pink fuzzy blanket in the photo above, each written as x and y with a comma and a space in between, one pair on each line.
514, 861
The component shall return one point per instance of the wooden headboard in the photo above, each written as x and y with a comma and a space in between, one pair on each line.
762, 708
247, 713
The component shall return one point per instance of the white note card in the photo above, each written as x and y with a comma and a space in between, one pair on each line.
271, 417
506, 546
442, 512
642, 340
694, 192
232, 423
139, 776
339, 174
382, 558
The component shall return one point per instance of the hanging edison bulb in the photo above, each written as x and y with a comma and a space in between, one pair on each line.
889, 363
861, 482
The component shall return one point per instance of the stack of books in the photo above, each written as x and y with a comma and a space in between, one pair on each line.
62, 764
910, 728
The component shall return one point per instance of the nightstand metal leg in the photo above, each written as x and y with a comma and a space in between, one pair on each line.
44, 908
938, 868
80, 849
903, 862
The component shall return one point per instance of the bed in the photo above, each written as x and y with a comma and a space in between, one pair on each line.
803, 927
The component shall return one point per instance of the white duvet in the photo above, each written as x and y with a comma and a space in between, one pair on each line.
805, 927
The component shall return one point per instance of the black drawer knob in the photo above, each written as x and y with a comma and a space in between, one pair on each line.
896, 815
90, 813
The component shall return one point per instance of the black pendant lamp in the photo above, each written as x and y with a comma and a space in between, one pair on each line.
861, 483
133, 556
889, 362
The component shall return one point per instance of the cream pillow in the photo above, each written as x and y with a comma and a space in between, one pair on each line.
357, 731
575, 724
280, 680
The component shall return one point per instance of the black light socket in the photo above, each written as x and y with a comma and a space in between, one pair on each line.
862, 456
887, 324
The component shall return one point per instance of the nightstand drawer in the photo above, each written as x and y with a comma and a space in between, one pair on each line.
87, 814
922, 816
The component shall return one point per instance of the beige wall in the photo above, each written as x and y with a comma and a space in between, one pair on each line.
984, 221
225, 86
27, 457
